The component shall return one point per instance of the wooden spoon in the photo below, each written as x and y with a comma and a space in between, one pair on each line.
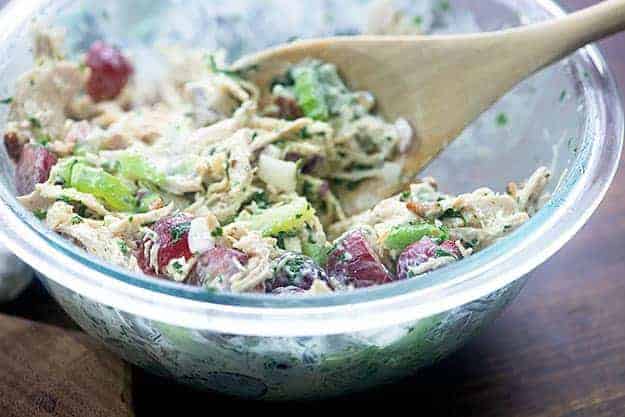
440, 84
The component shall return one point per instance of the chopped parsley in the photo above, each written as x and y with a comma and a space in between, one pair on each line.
34, 122
7, 100
440, 253
76, 219
304, 133
562, 96
178, 231
417, 20
217, 232
444, 5
40, 214
281, 236
501, 119
177, 266
43, 139
451, 214
261, 199
123, 247
405, 196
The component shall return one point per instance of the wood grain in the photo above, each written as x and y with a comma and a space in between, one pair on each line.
47, 370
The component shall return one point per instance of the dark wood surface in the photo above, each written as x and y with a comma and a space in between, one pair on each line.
558, 351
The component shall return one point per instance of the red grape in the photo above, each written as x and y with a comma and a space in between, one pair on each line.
294, 270
110, 71
216, 262
172, 238
288, 108
422, 251
13, 145
354, 261
33, 167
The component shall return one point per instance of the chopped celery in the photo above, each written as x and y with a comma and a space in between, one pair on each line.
402, 236
62, 172
284, 218
116, 194
310, 93
136, 168
317, 251
146, 201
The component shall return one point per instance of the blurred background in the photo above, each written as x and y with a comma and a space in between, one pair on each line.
559, 350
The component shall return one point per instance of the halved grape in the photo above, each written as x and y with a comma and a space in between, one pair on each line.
110, 71
294, 270
13, 145
216, 263
421, 252
33, 167
172, 238
288, 108
353, 261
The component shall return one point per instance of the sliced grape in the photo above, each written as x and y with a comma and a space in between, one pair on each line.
421, 252
294, 270
216, 263
33, 167
13, 145
110, 71
171, 235
288, 108
353, 261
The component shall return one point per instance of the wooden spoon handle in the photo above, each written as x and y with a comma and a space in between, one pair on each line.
548, 42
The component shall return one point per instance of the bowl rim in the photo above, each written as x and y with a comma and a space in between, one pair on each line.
390, 304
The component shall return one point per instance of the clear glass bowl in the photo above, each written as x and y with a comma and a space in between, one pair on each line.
568, 117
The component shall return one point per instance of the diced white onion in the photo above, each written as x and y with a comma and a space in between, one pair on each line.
200, 236
282, 175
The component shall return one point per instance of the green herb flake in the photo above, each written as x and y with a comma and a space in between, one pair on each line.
440, 253
178, 231
34, 122
40, 214
405, 196
501, 119
7, 100
123, 247
43, 139
304, 133
562, 96
217, 232
64, 199
177, 266
76, 220
417, 20
444, 5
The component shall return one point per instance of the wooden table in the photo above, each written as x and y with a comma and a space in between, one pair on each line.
558, 351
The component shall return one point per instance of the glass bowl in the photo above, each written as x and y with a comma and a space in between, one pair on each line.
568, 117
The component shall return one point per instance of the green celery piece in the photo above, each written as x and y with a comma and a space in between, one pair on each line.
402, 236
146, 200
63, 170
284, 218
317, 251
116, 194
310, 94
136, 168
